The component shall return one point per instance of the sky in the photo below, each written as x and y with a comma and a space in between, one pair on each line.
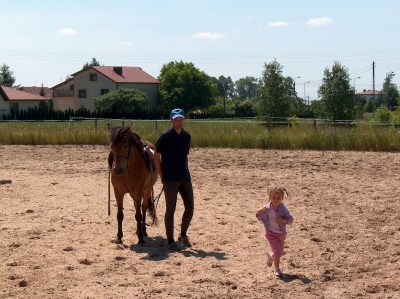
45, 41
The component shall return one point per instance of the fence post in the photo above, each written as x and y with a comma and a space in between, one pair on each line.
315, 125
95, 124
123, 121
156, 124
71, 122
269, 122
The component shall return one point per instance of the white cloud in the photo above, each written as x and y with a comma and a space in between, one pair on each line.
319, 22
279, 24
126, 43
67, 31
207, 35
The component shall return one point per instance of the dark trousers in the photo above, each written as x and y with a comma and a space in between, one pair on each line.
171, 190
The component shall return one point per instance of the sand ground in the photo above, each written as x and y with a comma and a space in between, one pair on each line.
57, 240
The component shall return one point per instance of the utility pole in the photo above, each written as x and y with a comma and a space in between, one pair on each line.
354, 86
305, 100
373, 80
294, 87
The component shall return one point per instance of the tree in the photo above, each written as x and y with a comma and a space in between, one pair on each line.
94, 62
120, 101
41, 92
6, 76
273, 99
247, 88
391, 92
226, 87
220, 108
337, 95
382, 114
246, 108
185, 86
290, 87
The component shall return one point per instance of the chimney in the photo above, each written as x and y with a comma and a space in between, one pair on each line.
118, 70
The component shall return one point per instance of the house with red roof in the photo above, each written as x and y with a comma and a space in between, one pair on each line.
370, 94
17, 100
78, 91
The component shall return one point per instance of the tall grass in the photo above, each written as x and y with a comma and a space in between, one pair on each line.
212, 134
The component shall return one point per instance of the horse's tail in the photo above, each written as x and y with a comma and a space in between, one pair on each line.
151, 208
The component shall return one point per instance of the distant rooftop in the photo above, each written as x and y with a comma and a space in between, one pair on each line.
48, 93
370, 92
11, 94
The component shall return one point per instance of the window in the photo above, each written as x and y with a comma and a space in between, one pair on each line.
71, 87
104, 91
93, 77
82, 93
14, 107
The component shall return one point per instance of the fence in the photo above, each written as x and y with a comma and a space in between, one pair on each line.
269, 122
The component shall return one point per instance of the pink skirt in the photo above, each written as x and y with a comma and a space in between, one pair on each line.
276, 241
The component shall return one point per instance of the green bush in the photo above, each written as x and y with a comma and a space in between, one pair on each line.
382, 114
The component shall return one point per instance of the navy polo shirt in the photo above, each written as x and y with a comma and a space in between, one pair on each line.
174, 150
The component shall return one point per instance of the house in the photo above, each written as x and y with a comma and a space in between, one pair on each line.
17, 100
78, 91
370, 94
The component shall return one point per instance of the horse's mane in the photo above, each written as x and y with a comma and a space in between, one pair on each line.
118, 132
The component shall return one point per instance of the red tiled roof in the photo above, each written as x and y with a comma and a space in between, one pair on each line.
48, 93
11, 94
129, 74
370, 92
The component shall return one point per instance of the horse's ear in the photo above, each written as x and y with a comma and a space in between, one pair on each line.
127, 128
109, 127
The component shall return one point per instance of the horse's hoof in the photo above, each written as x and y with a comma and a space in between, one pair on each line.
142, 242
118, 241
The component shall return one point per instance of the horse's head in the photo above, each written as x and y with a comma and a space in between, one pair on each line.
120, 145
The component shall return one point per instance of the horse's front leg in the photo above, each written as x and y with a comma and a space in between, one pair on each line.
139, 220
144, 211
120, 216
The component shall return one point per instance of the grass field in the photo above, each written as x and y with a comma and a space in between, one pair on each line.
364, 136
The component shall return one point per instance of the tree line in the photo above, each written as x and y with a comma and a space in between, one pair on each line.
185, 86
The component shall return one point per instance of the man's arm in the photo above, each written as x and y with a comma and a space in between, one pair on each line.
157, 163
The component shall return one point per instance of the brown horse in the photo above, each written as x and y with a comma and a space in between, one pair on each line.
132, 172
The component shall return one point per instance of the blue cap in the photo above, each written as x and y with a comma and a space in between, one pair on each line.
177, 112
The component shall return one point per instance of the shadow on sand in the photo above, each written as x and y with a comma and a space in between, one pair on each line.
156, 250
292, 277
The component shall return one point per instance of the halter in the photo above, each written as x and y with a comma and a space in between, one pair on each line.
126, 165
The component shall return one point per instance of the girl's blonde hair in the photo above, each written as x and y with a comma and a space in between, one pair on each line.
281, 190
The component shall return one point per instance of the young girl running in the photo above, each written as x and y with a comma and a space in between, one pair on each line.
275, 215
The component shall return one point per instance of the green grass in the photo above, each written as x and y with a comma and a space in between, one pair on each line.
212, 134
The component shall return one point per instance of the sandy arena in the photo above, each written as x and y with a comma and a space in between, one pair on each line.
57, 240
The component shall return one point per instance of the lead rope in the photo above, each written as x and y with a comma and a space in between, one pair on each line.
109, 187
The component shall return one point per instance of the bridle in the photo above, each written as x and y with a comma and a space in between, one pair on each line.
126, 158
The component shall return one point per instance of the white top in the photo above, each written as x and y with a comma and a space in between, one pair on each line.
273, 223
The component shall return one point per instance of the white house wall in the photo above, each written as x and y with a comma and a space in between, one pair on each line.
23, 105
63, 96
151, 91
4, 108
93, 88
63, 103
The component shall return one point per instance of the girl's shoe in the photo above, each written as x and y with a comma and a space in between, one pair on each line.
270, 260
278, 273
